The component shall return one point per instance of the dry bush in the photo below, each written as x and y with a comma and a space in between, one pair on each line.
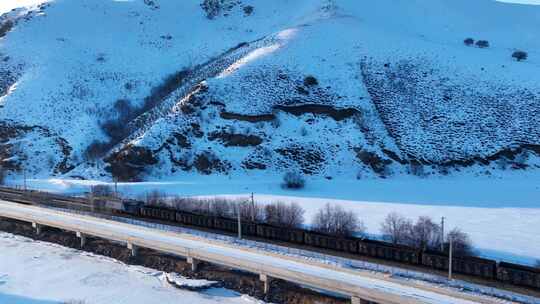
284, 215
482, 44
310, 81
293, 180
248, 10
334, 220
396, 228
520, 55
468, 41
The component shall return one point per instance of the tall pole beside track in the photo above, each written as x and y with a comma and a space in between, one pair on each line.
450, 257
239, 222
442, 233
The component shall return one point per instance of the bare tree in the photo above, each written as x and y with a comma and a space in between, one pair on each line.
250, 211
425, 234
396, 228
156, 198
461, 243
335, 220
286, 215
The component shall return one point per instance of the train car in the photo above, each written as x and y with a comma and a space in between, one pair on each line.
184, 218
518, 275
204, 221
249, 228
388, 251
158, 213
465, 265
132, 207
343, 244
225, 224
280, 233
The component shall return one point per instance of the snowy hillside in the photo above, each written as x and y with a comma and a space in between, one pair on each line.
331, 88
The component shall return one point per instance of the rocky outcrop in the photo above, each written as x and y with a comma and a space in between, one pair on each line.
128, 163
235, 140
334, 113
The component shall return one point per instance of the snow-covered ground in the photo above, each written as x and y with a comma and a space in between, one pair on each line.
34, 272
501, 215
8, 5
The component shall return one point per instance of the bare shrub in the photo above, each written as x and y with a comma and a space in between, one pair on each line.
212, 8
334, 220
102, 190
293, 180
285, 215
101, 57
425, 234
310, 81
482, 44
248, 10
303, 131
396, 228
461, 243
468, 41
520, 55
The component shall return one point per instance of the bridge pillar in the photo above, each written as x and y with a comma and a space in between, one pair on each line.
37, 228
81, 236
194, 263
133, 249
357, 300
266, 280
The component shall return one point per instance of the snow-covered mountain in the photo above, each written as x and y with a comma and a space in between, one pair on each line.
333, 88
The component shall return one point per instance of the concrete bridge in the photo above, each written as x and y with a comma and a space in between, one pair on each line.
361, 287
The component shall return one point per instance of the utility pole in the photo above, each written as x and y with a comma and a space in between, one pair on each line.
450, 256
115, 187
24, 178
239, 222
442, 234
252, 208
